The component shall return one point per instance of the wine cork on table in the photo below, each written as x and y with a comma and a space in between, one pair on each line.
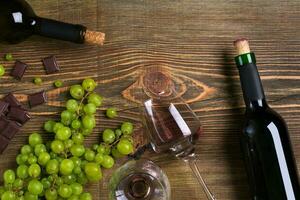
94, 37
242, 46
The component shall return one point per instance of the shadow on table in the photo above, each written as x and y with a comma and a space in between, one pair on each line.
232, 147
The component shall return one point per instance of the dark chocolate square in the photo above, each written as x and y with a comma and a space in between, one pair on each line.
10, 130
18, 114
3, 107
37, 98
3, 143
3, 122
19, 70
50, 65
12, 100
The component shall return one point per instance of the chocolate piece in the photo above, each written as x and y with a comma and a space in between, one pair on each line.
3, 107
12, 100
19, 70
18, 114
3, 143
50, 65
11, 129
37, 98
3, 122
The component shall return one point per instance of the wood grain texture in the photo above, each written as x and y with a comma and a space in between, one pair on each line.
193, 40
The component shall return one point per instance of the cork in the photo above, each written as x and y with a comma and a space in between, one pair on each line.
94, 37
242, 46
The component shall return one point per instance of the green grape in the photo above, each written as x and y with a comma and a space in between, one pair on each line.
68, 179
37, 81
58, 83
2, 70
32, 159
34, 170
68, 143
35, 187
51, 194
52, 154
89, 84
76, 161
72, 105
108, 136
116, 154
63, 133
89, 155
86, 132
108, 162
49, 125
77, 150
76, 188
125, 147
52, 166
66, 115
29, 196
20, 198
127, 128
83, 163
90, 109
35, 139
85, 196
78, 138
39, 148
65, 191
59, 181
9, 176
107, 150
93, 171
8, 195
24, 158
88, 121
44, 157
95, 147
9, 57
95, 99
57, 146
26, 149
101, 149
76, 91
77, 170
66, 167
82, 179
46, 183
73, 197
2, 190
111, 113
19, 159
22, 171
99, 158
76, 124
57, 126
18, 183
118, 133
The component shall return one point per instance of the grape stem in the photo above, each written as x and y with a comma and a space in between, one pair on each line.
81, 102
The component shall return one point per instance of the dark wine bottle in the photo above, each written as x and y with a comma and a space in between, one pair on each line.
18, 22
265, 141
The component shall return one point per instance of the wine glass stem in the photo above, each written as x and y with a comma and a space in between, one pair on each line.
195, 169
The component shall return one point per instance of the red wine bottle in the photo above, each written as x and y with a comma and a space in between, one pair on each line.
265, 141
18, 22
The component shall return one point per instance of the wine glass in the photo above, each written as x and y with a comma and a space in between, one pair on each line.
139, 179
170, 123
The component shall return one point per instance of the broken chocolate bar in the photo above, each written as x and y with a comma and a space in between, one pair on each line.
19, 70
3, 122
11, 129
50, 65
3, 143
18, 114
12, 100
3, 107
37, 98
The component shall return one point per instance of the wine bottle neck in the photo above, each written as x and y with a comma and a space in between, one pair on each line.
250, 81
59, 30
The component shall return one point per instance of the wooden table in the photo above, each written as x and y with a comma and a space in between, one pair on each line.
193, 39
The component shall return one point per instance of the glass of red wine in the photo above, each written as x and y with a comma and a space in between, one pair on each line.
170, 123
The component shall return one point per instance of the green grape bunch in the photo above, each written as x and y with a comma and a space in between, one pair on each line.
59, 169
